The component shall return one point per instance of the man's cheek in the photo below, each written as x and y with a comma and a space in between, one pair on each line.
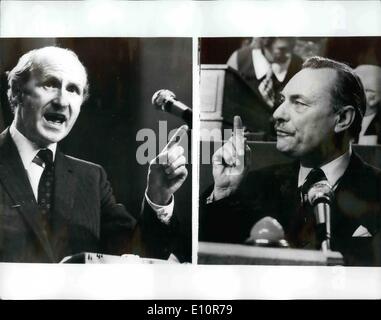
308, 140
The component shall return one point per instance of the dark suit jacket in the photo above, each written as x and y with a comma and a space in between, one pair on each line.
273, 192
85, 216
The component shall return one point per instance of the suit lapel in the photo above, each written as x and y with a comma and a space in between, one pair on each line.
289, 198
288, 180
288, 177
348, 199
15, 180
65, 187
64, 195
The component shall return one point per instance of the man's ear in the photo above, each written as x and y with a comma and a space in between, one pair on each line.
344, 118
16, 100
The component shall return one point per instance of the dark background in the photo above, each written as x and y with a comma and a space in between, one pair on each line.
123, 75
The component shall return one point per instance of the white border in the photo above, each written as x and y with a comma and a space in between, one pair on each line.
33, 281
104, 18
187, 19
195, 148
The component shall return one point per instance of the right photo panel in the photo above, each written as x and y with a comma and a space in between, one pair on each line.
290, 152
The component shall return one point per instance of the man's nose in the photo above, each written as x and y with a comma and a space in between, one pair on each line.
281, 112
62, 99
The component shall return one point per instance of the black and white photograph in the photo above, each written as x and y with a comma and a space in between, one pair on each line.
290, 128
88, 172
189, 158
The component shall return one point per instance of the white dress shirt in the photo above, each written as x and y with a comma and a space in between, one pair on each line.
262, 65
333, 170
28, 150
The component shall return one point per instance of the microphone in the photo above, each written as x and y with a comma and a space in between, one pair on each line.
267, 232
165, 100
320, 197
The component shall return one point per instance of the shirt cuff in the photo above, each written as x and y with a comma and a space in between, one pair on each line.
164, 213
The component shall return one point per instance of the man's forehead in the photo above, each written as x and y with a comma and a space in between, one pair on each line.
61, 65
311, 82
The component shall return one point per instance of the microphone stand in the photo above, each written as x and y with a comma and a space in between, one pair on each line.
320, 196
322, 212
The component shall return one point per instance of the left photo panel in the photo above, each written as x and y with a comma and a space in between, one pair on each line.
95, 150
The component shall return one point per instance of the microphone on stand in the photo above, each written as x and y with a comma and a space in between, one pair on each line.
320, 197
165, 100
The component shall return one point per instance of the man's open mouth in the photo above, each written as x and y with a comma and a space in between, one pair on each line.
56, 118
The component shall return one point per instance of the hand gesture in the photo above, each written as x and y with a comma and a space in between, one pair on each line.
167, 171
231, 162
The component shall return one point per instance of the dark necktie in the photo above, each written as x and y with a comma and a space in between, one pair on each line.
310, 235
46, 184
314, 176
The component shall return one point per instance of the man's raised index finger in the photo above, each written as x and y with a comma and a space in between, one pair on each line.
177, 137
237, 124
239, 141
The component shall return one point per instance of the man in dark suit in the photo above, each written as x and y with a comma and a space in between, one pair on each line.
53, 205
321, 112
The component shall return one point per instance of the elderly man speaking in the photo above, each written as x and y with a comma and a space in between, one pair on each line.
54, 205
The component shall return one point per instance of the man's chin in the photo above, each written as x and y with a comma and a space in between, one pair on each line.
51, 138
284, 148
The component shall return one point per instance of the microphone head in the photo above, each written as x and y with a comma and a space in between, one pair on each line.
320, 191
161, 97
267, 232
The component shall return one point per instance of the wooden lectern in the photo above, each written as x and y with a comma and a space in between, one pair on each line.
224, 94
222, 253
100, 258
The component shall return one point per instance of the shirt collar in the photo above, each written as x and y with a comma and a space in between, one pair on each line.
27, 149
262, 65
333, 170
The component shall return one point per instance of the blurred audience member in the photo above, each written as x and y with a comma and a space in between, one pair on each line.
267, 65
307, 47
370, 76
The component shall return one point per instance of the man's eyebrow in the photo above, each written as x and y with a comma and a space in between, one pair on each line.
49, 77
300, 96
52, 77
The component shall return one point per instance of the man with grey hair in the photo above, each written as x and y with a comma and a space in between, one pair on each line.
54, 205
320, 114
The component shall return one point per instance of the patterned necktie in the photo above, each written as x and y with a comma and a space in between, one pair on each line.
266, 88
46, 184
